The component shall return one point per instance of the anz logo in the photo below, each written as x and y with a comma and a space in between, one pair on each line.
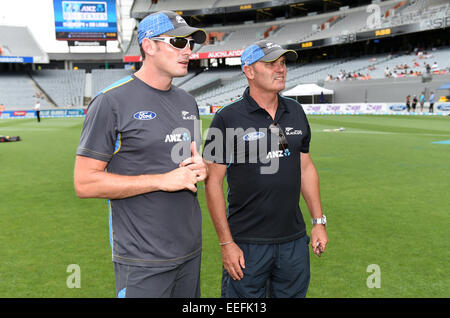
144, 115
278, 154
177, 137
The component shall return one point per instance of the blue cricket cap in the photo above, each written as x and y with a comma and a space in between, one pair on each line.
170, 23
265, 51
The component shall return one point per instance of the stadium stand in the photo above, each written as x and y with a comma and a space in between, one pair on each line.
309, 28
179, 81
369, 68
235, 38
100, 79
191, 4
225, 93
140, 7
64, 87
408, 12
207, 79
414, 64
18, 91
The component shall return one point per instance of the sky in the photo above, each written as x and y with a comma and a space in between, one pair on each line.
38, 16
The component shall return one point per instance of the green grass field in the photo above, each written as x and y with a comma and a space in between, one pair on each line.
385, 189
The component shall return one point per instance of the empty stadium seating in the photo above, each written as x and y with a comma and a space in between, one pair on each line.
208, 77
64, 87
17, 91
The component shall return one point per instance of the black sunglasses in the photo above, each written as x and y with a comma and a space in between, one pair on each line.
277, 130
178, 43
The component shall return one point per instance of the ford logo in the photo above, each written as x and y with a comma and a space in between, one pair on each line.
253, 136
398, 108
145, 115
444, 107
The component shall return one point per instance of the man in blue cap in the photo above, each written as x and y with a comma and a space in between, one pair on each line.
262, 235
129, 153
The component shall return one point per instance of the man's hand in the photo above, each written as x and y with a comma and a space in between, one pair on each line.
319, 239
196, 163
179, 179
233, 260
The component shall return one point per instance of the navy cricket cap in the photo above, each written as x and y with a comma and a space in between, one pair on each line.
170, 23
265, 51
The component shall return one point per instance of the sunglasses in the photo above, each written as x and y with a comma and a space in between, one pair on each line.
277, 130
178, 43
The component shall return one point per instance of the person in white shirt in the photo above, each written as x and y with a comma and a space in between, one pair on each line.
435, 67
37, 108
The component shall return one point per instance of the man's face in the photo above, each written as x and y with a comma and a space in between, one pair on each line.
270, 76
171, 60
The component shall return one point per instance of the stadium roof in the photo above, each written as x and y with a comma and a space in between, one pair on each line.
202, 9
17, 45
141, 8
345, 25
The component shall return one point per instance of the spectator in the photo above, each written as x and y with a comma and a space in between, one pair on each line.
431, 101
422, 101
2, 107
37, 108
387, 72
414, 103
435, 67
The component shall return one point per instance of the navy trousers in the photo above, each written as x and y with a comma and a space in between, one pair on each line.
271, 270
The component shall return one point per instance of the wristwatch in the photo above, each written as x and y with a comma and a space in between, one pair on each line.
322, 220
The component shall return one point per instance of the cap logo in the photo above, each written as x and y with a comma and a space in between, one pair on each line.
271, 45
180, 19
148, 33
